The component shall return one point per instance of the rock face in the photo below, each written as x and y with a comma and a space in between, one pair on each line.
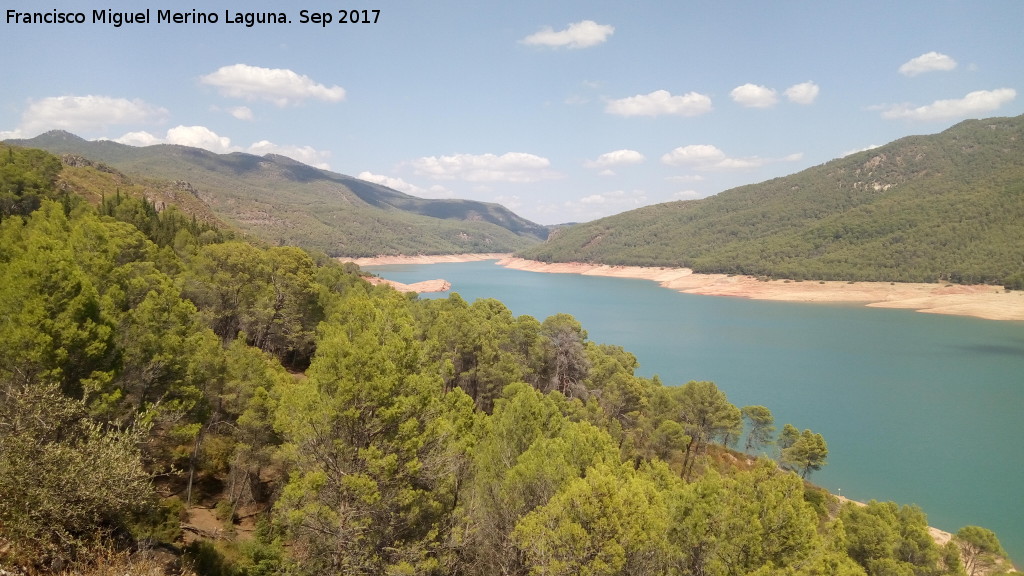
187, 187
75, 160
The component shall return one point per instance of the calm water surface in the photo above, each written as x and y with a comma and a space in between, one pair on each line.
916, 408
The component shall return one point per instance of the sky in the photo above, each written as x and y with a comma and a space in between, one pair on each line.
562, 111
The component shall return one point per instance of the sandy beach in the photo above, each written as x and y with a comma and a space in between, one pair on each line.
981, 301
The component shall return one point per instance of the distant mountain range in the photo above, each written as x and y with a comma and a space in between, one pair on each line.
282, 201
943, 207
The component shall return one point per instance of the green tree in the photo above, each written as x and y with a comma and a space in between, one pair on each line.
808, 453
375, 447
67, 484
27, 177
567, 362
706, 414
611, 521
980, 549
53, 325
789, 435
527, 450
762, 427
230, 284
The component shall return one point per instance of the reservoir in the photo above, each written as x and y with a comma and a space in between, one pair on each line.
916, 408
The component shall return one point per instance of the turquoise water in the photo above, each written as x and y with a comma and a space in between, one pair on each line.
916, 408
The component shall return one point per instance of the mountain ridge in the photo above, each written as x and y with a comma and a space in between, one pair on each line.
940, 207
284, 201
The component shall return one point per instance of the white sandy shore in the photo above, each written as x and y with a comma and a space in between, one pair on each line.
424, 259
981, 301
438, 285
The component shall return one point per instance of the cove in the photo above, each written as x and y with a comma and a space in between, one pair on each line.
916, 408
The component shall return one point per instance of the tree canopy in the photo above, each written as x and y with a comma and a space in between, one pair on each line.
352, 429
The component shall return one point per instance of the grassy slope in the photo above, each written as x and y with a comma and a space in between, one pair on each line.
285, 202
923, 208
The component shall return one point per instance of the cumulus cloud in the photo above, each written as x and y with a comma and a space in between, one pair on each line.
599, 205
660, 102
305, 154
578, 35
928, 62
141, 138
803, 93
509, 167
401, 185
203, 137
199, 137
241, 112
86, 114
754, 96
864, 149
975, 103
708, 157
281, 86
616, 158
694, 155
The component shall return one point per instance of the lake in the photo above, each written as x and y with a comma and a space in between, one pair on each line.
916, 408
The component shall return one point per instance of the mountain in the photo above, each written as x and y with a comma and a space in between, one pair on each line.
283, 201
942, 207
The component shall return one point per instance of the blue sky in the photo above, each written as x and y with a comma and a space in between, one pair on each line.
562, 111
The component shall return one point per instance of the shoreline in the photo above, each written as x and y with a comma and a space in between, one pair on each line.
979, 301
425, 259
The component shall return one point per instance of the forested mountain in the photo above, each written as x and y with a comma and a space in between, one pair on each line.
944, 207
156, 371
285, 202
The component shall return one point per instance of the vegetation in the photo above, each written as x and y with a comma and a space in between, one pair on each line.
283, 202
945, 207
155, 368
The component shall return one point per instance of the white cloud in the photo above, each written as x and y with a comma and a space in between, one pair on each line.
203, 137
509, 167
803, 93
435, 191
305, 154
278, 85
616, 158
139, 139
975, 103
928, 62
708, 157
660, 102
86, 113
241, 112
754, 96
600, 205
694, 155
578, 35
865, 149
199, 137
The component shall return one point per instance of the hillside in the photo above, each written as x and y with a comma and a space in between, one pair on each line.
176, 401
282, 201
943, 207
